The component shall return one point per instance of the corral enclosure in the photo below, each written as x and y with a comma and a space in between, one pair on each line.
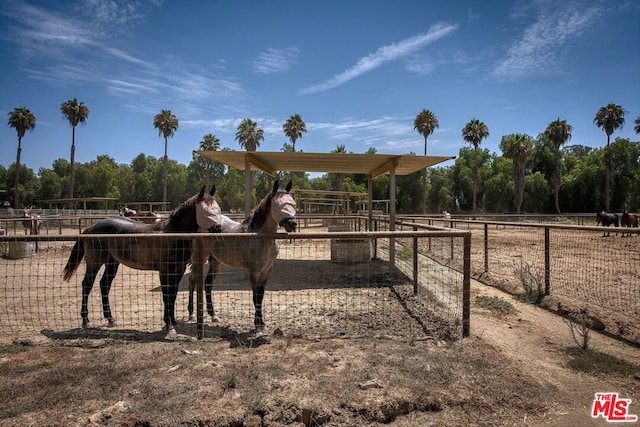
320, 287
578, 267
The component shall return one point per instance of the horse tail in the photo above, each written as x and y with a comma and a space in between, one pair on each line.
77, 253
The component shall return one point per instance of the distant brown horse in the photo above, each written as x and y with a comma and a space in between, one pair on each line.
147, 217
628, 220
32, 224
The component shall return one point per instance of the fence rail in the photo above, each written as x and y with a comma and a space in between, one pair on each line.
316, 288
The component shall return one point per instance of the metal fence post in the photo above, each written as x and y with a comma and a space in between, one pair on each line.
547, 263
415, 263
466, 287
486, 247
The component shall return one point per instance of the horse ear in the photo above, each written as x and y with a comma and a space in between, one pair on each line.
200, 195
288, 187
213, 190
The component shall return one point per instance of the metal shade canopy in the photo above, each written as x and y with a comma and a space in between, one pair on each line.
368, 164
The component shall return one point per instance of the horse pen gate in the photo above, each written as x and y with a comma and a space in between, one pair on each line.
307, 295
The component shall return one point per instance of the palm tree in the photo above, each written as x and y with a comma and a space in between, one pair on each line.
425, 124
609, 118
209, 143
75, 113
249, 135
293, 128
557, 133
518, 147
340, 148
636, 126
167, 125
474, 132
22, 120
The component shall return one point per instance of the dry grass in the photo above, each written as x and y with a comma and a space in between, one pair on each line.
277, 381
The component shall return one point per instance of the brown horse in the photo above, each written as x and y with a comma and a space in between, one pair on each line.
257, 255
628, 220
167, 256
147, 217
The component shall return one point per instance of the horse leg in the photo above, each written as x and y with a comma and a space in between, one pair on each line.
87, 285
169, 284
192, 286
258, 296
111, 268
214, 269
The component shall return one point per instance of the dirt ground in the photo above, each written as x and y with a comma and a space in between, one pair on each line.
515, 369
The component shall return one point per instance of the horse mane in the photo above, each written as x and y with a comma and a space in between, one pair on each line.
184, 209
259, 214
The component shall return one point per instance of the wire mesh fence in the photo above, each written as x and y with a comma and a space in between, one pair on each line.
577, 267
321, 286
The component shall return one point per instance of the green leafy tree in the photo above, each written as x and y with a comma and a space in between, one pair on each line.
518, 148
536, 192
51, 185
557, 134
439, 189
636, 125
293, 128
609, 118
474, 132
625, 157
202, 165
22, 120
167, 125
498, 187
75, 113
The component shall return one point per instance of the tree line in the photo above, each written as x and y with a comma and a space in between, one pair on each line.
532, 174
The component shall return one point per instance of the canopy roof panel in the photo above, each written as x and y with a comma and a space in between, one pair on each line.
368, 164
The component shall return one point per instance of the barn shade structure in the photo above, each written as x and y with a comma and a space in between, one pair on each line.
372, 165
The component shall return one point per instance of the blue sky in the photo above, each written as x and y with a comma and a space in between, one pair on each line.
356, 71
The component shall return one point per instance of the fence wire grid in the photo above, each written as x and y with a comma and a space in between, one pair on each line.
586, 267
320, 287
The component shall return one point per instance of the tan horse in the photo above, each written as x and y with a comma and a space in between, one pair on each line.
257, 255
32, 224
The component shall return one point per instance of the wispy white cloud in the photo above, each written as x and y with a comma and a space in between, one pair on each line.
274, 61
540, 49
384, 55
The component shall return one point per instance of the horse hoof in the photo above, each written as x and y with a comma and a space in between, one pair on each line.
215, 318
111, 323
171, 332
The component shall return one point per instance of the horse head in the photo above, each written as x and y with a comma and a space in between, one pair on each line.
600, 216
284, 208
208, 212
